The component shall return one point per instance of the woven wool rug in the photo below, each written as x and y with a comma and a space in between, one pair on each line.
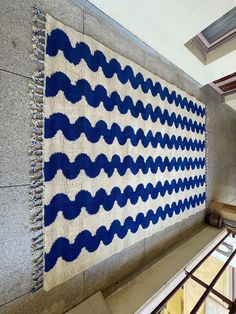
123, 152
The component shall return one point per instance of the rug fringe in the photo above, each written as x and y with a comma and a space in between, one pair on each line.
206, 151
36, 152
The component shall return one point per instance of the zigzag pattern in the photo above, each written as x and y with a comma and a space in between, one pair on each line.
72, 131
69, 252
58, 40
93, 168
60, 82
71, 209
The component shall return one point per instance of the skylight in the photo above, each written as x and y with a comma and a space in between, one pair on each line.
216, 40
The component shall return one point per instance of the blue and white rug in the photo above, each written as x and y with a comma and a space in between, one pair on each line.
123, 153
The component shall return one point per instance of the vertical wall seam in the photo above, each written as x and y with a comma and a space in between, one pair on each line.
83, 19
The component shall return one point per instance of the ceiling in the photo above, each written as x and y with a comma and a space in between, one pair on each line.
166, 25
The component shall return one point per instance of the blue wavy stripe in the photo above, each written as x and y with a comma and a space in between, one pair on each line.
71, 209
60, 161
58, 40
74, 93
72, 132
85, 240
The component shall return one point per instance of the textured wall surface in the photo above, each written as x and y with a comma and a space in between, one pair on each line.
16, 69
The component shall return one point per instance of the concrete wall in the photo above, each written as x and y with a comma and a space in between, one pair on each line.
16, 69
221, 153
